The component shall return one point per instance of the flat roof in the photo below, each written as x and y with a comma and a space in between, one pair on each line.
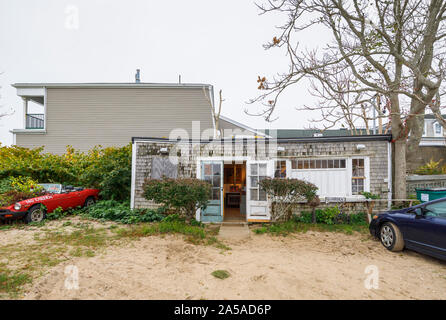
375, 137
110, 85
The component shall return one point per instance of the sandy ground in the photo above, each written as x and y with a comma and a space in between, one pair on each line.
303, 266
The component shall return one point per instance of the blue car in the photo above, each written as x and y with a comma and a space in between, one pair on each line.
421, 228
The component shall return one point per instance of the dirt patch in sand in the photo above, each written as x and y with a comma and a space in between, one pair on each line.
312, 265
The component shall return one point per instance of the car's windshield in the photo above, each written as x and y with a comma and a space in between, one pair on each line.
51, 187
437, 209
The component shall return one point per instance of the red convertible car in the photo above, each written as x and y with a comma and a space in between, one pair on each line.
55, 196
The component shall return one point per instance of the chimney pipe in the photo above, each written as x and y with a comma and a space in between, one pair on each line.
137, 76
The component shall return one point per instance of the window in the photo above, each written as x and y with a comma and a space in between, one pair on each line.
257, 173
438, 128
163, 167
212, 174
358, 176
436, 209
318, 164
280, 171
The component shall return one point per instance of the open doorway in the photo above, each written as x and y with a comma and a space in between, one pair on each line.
234, 192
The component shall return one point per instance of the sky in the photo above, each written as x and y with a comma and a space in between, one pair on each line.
204, 41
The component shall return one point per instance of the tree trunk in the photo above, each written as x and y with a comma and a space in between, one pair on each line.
313, 214
400, 169
400, 141
416, 125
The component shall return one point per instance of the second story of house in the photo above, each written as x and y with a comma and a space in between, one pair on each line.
433, 132
84, 115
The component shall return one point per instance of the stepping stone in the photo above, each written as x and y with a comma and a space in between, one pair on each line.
234, 231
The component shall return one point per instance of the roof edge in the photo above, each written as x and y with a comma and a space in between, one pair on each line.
111, 85
376, 137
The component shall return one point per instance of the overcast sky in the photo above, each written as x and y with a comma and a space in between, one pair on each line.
206, 41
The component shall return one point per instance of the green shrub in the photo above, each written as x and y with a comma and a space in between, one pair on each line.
57, 213
304, 217
10, 197
108, 169
6, 185
120, 212
327, 215
185, 195
331, 216
358, 218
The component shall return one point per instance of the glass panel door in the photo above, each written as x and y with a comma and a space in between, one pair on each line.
258, 207
212, 172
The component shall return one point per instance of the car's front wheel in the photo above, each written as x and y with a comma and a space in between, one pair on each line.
391, 237
35, 214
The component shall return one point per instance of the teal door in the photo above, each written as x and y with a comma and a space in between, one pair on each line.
212, 171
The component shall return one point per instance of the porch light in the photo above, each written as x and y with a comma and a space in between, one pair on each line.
164, 150
360, 146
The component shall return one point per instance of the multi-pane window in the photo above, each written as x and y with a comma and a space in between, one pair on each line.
257, 173
212, 174
437, 128
318, 164
280, 170
358, 176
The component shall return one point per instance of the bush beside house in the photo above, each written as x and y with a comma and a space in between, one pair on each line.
108, 169
184, 195
285, 193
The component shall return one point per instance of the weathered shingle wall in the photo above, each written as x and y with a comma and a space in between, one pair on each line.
377, 151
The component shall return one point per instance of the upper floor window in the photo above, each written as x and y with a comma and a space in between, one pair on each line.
438, 129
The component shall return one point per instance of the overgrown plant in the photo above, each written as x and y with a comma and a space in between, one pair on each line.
285, 193
185, 195
371, 199
120, 212
108, 169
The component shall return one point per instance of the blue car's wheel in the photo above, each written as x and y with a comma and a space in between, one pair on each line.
391, 237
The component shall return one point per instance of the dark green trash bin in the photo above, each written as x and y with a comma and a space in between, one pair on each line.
430, 194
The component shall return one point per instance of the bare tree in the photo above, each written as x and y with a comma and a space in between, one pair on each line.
338, 106
392, 48
215, 114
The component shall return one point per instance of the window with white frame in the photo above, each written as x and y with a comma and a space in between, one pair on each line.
318, 164
358, 176
280, 169
258, 172
438, 129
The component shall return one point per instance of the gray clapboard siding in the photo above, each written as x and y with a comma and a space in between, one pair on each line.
85, 117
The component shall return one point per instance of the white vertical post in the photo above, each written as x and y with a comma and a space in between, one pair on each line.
25, 111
